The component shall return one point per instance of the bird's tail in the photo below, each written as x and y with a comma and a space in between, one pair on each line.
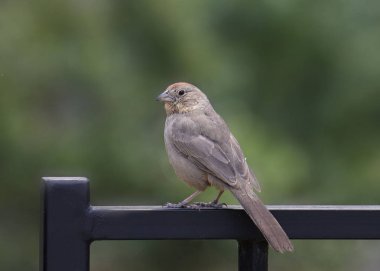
264, 220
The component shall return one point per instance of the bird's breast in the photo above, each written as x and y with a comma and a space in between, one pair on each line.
184, 168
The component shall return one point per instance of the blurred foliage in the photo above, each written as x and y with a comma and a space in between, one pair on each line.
297, 81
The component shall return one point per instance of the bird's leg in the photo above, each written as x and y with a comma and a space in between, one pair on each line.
183, 203
212, 204
215, 201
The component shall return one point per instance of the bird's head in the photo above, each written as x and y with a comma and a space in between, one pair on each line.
182, 98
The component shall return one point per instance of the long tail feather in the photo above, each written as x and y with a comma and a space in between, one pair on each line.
264, 220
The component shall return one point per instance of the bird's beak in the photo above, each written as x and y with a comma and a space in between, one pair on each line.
164, 97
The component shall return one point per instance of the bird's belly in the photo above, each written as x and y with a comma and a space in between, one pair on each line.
185, 169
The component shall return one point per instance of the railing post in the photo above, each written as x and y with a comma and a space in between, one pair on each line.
253, 255
65, 246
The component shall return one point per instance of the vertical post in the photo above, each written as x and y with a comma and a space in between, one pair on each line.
253, 255
64, 244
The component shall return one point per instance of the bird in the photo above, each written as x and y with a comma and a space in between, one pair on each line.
203, 152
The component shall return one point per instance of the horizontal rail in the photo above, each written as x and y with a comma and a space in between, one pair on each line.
300, 222
70, 224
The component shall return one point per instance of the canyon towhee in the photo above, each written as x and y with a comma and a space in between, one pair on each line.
203, 153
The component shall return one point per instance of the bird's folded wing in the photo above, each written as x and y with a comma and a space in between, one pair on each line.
208, 154
240, 164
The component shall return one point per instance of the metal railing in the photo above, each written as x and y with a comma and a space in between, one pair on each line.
70, 224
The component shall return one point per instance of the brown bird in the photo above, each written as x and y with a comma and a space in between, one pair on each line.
203, 152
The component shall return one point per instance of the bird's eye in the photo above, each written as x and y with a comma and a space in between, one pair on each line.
181, 92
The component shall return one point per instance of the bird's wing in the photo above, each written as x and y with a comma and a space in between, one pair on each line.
207, 155
240, 163
219, 155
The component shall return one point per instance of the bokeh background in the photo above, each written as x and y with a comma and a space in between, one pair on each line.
297, 81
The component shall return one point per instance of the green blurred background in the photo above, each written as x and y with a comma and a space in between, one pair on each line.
297, 81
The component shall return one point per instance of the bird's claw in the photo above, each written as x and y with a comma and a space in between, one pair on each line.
199, 205
174, 205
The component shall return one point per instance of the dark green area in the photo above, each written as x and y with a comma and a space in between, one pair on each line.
297, 81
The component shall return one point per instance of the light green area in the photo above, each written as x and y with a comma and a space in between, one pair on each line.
297, 81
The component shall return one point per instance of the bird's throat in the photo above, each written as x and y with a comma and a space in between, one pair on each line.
181, 108
170, 109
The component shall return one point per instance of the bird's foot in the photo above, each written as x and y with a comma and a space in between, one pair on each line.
175, 205
199, 205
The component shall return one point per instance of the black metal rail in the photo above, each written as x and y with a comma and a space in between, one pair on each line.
70, 224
